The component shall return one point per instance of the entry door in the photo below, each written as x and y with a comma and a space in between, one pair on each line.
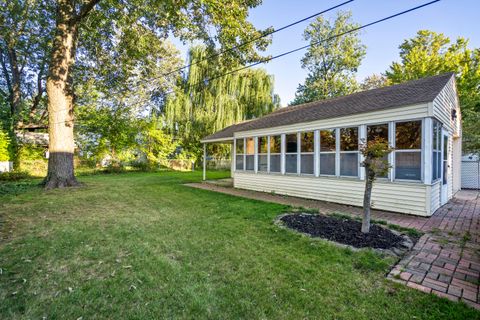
445, 169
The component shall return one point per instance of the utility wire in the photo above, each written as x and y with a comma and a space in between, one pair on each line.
266, 34
297, 49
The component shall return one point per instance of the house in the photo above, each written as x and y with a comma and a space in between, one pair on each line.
312, 150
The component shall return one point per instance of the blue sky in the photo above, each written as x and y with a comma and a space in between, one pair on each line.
452, 17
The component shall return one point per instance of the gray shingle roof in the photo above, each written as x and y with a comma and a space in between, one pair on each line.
407, 93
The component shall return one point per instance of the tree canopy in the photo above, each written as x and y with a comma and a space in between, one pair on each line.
331, 64
207, 100
430, 53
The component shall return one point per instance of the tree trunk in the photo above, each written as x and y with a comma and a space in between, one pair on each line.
367, 200
60, 99
16, 92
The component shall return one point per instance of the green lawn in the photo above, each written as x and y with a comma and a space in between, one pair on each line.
143, 246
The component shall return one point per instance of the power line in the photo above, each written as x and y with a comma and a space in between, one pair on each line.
298, 49
266, 34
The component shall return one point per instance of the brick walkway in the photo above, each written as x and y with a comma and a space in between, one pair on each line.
446, 259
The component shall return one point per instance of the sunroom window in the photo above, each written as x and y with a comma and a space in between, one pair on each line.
327, 152
349, 151
275, 153
262, 154
378, 131
408, 153
306, 152
437, 150
291, 153
250, 154
239, 152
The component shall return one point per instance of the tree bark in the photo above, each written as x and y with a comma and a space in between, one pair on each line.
16, 92
60, 99
367, 200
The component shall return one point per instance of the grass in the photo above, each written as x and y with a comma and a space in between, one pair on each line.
144, 246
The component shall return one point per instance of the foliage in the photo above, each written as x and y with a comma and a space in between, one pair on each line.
205, 255
374, 153
25, 38
4, 146
156, 144
331, 64
471, 132
204, 102
31, 152
111, 131
14, 176
430, 53
374, 81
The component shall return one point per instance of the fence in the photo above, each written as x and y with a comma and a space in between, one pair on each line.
470, 172
219, 164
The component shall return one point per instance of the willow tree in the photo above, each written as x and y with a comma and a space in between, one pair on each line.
95, 24
212, 97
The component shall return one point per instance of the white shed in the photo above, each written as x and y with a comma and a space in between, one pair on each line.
312, 150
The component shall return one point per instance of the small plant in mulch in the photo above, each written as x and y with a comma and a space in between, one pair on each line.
347, 231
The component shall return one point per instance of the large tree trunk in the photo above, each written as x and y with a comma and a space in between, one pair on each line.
367, 197
60, 99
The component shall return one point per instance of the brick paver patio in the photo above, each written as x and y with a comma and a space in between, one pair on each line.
446, 259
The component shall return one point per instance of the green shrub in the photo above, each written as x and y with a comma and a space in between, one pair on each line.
31, 152
4, 146
14, 176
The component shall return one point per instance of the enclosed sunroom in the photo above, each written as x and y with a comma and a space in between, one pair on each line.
312, 150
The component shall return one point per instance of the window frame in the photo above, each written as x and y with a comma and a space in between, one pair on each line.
258, 154
275, 154
291, 153
421, 150
240, 154
340, 152
301, 153
437, 150
334, 152
254, 139
389, 175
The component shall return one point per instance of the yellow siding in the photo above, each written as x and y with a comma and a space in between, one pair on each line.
410, 198
435, 196
442, 108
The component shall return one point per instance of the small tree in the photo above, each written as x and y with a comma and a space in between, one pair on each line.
376, 164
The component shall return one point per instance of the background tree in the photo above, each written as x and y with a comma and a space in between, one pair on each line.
375, 164
374, 81
4, 146
332, 64
93, 21
430, 53
25, 38
201, 106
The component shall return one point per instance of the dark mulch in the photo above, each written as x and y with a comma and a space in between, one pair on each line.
342, 230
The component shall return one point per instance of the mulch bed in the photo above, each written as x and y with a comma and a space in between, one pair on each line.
343, 230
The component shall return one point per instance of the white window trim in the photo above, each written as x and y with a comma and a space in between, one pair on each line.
316, 150
320, 152
245, 155
262, 154
362, 138
282, 154
271, 154
339, 152
422, 146
291, 153
300, 154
